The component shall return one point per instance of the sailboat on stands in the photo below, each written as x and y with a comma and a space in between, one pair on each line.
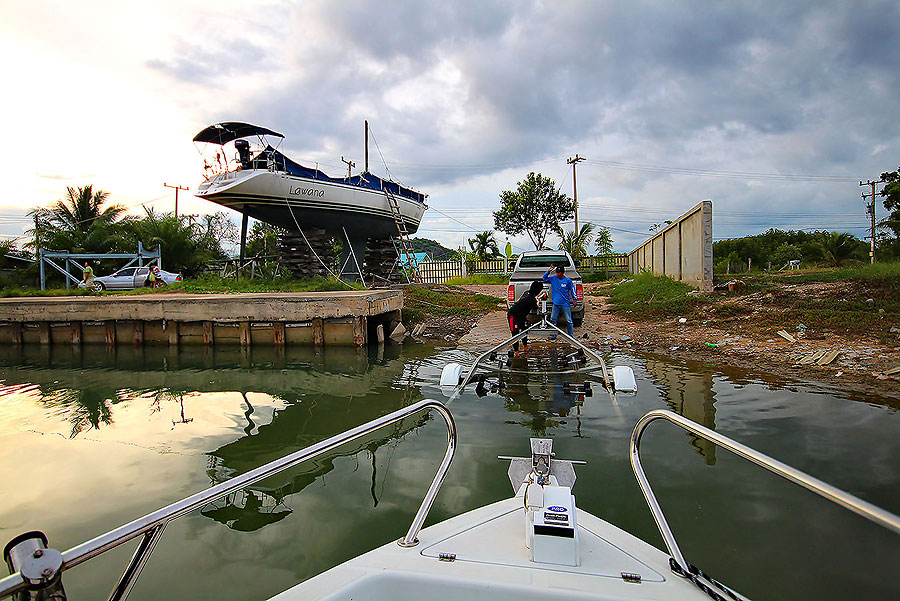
252, 176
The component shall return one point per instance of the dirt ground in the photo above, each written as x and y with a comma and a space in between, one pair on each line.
861, 365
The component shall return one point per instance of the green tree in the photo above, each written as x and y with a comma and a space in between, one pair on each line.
535, 208
79, 222
577, 243
484, 245
891, 195
262, 241
784, 253
188, 242
604, 245
837, 247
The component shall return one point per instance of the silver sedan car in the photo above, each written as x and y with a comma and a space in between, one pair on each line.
129, 278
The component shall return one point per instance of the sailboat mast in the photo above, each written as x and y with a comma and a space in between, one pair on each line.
367, 146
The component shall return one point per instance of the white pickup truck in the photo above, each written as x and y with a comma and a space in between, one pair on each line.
532, 265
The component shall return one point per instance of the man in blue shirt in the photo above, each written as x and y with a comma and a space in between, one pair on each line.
563, 296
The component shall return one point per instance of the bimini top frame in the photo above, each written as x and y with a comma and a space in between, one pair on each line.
27, 551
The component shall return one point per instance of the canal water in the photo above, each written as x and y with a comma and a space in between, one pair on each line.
91, 439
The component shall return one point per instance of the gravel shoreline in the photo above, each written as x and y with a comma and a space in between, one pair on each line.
860, 365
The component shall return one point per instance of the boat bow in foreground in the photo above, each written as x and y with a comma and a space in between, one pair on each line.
535, 545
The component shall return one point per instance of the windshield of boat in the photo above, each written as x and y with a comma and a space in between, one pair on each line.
547, 260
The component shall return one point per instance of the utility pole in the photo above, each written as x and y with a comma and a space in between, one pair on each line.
573, 162
871, 210
350, 165
177, 188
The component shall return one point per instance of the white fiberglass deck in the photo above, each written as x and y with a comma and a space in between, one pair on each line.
492, 564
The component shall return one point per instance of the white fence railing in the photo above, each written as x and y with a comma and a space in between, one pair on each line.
438, 272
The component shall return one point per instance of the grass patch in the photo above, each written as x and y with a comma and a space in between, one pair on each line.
480, 278
19, 291
651, 295
420, 303
878, 272
729, 310
598, 277
206, 284
214, 284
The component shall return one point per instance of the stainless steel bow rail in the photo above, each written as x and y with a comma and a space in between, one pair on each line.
35, 563
836, 495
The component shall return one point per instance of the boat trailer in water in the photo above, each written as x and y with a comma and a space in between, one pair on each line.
500, 360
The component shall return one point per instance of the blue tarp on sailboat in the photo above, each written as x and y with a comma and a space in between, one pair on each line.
364, 180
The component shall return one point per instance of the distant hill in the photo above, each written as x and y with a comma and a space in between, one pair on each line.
434, 249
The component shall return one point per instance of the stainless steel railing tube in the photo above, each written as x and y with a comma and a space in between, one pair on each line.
152, 524
411, 538
855, 504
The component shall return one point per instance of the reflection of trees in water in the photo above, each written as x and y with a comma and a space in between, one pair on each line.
85, 387
690, 394
85, 408
266, 502
91, 408
324, 393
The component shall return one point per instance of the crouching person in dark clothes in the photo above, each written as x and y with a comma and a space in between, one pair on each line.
518, 312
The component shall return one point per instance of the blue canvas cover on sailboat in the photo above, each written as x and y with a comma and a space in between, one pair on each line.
364, 180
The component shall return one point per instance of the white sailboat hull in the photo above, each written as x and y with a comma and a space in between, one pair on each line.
301, 203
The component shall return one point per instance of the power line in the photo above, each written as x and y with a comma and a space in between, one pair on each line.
750, 175
476, 166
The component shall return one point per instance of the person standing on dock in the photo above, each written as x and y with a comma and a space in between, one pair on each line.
519, 311
88, 274
563, 296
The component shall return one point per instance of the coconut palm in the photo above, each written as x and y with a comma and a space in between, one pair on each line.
484, 246
577, 243
836, 247
79, 222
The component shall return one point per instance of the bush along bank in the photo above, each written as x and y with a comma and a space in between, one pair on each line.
446, 311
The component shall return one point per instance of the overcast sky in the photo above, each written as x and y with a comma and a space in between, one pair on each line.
772, 110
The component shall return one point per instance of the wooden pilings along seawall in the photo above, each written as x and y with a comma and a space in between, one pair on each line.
355, 317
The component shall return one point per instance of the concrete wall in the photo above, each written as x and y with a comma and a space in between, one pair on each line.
682, 251
317, 318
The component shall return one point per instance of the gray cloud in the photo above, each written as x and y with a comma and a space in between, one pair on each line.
768, 87
205, 65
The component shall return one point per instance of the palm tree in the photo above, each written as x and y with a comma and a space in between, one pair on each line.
836, 247
577, 243
81, 209
78, 221
484, 246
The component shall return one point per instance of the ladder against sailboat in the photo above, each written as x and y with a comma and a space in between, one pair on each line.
403, 242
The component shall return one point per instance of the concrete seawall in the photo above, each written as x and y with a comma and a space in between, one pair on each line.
317, 318
681, 251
